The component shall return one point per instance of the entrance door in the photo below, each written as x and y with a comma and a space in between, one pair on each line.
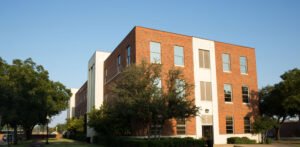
207, 134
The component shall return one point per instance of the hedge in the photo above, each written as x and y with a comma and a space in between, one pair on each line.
135, 142
240, 140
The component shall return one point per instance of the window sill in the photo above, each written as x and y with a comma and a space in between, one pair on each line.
245, 74
179, 65
228, 102
226, 71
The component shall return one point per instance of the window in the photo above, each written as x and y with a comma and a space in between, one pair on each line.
204, 59
205, 90
227, 92
229, 124
178, 56
119, 60
226, 62
119, 63
243, 65
128, 55
247, 126
105, 77
157, 82
245, 94
155, 52
180, 126
180, 85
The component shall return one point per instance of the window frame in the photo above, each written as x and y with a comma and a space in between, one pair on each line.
231, 94
153, 52
204, 59
248, 94
226, 63
128, 55
205, 94
180, 127
182, 56
247, 127
229, 125
246, 65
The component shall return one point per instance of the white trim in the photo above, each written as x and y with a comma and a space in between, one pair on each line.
207, 75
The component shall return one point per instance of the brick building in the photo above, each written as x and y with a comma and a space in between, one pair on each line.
224, 78
81, 101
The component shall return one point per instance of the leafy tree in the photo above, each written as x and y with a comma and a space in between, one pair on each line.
75, 124
283, 99
61, 128
30, 95
136, 101
262, 125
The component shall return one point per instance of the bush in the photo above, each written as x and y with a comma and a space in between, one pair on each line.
240, 140
269, 141
163, 142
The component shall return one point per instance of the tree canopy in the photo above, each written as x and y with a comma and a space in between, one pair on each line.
137, 101
28, 96
282, 100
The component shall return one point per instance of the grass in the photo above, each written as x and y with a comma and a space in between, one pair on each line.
57, 143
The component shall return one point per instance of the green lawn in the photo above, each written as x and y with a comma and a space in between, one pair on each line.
58, 143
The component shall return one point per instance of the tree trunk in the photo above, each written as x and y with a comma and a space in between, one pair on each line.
15, 134
277, 133
28, 133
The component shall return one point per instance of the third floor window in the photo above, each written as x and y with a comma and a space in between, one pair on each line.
178, 56
155, 52
204, 59
226, 62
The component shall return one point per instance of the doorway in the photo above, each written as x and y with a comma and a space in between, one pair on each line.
207, 134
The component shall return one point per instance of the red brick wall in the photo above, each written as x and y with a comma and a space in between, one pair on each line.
237, 109
111, 62
81, 101
168, 40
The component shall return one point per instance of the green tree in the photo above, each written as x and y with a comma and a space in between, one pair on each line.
262, 125
282, 100
32, 96
136, 101
75, 124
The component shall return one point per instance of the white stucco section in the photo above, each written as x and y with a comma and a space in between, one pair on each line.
71, 103
95, 91
207, 75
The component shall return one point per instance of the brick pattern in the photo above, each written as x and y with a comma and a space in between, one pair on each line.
81, 101
111, 62
236, 109
167, 41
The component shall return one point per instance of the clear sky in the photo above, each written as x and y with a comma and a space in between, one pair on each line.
62, 35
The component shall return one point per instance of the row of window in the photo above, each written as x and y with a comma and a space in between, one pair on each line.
204, 61
206, 92
230, 125
227, 64
128, 61
155, 54
228, 93
204, 58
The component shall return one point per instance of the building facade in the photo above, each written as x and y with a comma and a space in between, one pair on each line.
71, 104
224, 78
81, 101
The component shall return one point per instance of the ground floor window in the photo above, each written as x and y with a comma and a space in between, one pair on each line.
180, 127
247, 125
229, 124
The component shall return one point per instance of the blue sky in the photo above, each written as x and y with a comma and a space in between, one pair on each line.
62, 35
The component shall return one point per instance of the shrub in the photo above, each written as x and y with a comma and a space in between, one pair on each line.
240, 140
163, 142
269, 141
